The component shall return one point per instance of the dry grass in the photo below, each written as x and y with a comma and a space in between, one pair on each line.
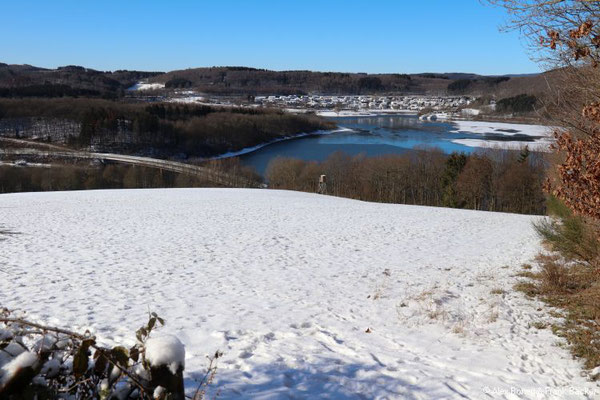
539, 325
573, 288
529, 288
428, 305
459, 328
493, 317
498, 291
437, 313
526, 274
381, 287
424, 295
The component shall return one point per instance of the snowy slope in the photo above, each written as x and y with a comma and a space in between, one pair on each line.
286, 284
147, 86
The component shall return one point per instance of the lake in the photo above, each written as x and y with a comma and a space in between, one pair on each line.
372, 136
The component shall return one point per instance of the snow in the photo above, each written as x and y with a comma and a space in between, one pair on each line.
51, 368
538, 145
8, 370
544, 135
287, 284
147, 86
159, 392
470, 111
193, 99
165, 350
5, 334
503, 128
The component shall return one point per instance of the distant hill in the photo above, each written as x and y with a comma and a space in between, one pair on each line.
30, 81
242, 80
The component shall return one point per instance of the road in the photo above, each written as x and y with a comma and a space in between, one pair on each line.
49, 150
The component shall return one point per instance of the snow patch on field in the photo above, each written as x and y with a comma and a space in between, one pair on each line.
190, 99
147, 86
308, 296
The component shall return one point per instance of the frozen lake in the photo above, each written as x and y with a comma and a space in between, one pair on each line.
395, 134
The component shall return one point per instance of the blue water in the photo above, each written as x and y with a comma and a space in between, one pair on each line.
371, 136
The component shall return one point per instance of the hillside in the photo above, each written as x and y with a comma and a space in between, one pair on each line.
30, 81
242, 80
308, 296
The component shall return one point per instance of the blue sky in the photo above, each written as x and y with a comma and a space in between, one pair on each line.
329, 35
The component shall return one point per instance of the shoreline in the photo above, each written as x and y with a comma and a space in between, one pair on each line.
247, 150
542, 134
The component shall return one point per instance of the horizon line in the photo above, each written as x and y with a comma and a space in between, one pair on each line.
274, 70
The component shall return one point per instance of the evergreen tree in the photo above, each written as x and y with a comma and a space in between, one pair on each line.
454, 166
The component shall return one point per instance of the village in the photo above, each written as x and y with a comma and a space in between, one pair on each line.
415, 103
439, 106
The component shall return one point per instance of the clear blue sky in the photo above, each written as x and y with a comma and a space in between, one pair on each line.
326, 35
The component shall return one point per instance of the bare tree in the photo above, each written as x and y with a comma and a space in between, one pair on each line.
566, 33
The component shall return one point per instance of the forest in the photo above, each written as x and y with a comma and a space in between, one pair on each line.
490, 180
70, 80
161, 129
82, 176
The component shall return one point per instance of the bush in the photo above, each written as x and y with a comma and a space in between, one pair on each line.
568, 234
569, 279
41, 362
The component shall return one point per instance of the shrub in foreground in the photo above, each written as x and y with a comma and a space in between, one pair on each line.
42, 362
569, 279
569, 234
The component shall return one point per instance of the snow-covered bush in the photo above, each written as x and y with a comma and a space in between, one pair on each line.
42, 362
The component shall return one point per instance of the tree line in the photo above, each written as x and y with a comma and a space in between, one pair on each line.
249, 81
461, 86
110, 176
163, 129
71, 80
491, 180
521, 103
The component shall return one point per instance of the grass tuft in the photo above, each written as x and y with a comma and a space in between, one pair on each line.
569, 280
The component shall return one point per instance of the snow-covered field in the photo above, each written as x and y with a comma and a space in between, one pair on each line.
189, 99
309, 296
543, 134
147, 86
